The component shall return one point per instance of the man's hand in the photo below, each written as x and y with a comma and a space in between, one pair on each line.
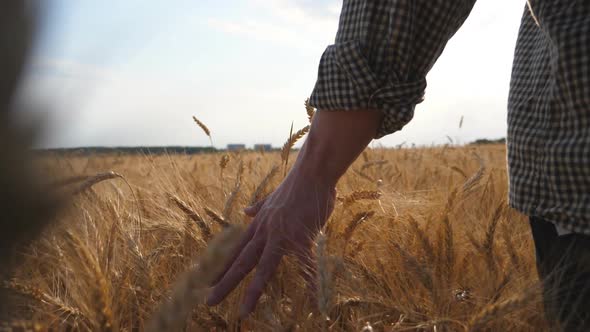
288, 220
285, 223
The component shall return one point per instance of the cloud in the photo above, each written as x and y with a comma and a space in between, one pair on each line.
328, 8
302, 24
308, 14
262, 31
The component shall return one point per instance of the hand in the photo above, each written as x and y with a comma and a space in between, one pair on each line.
286, 222
290, 218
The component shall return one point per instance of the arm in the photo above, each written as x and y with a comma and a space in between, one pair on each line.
334, 142
288, 220
383, 50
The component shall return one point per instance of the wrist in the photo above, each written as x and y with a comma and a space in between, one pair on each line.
334, 141
318, 164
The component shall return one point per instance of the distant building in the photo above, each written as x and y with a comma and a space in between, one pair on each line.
262, 147
236, 147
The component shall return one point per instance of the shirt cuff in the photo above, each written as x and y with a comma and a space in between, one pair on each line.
347, 81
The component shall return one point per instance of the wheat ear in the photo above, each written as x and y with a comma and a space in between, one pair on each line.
488, 244
216, 217
256, 196
358, 219
204, 128
40, 296
101, 292
230, 202
358, 195
191, 288
497, 310
324, 276
193, 215
293, 138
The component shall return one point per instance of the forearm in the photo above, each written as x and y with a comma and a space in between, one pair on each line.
335, 140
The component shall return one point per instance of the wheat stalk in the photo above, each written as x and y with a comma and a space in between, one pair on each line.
68, 181
191, 288
446, 249
370, 276
223, 161
293, 138
497, 310
460, 171
101, 295
216, 217
193, 215
424, 241
358, 219
413, 265
359, 195
368, 164
473, 181
91, 181
514, 257
39, 295
110, 246
324, 276
230, 202
364, 176
204, 128
488, 244
257, 195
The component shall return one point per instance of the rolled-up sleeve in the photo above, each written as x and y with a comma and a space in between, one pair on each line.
382, 53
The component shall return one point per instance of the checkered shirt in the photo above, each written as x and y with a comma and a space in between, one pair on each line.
385, 48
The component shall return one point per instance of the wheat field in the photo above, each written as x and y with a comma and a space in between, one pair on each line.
421, 239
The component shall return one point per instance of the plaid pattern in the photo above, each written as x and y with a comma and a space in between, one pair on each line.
385, 48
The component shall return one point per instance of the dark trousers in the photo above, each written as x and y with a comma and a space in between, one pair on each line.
563, 263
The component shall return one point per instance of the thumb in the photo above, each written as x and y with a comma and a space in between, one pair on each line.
252, 210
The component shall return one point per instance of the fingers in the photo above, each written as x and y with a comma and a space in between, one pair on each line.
252, 210
267, 267
246, 261
269, 262
237, 251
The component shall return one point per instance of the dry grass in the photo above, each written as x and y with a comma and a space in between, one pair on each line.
413, 244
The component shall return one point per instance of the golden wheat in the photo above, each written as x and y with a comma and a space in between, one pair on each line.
293, 138
257, 195
193, 215
231, 199
204, 128
423, 247
191, 288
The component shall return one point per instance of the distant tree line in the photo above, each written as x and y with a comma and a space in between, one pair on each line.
131, 150
180, 149
490, 141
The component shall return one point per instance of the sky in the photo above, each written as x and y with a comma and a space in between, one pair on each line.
134, 72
